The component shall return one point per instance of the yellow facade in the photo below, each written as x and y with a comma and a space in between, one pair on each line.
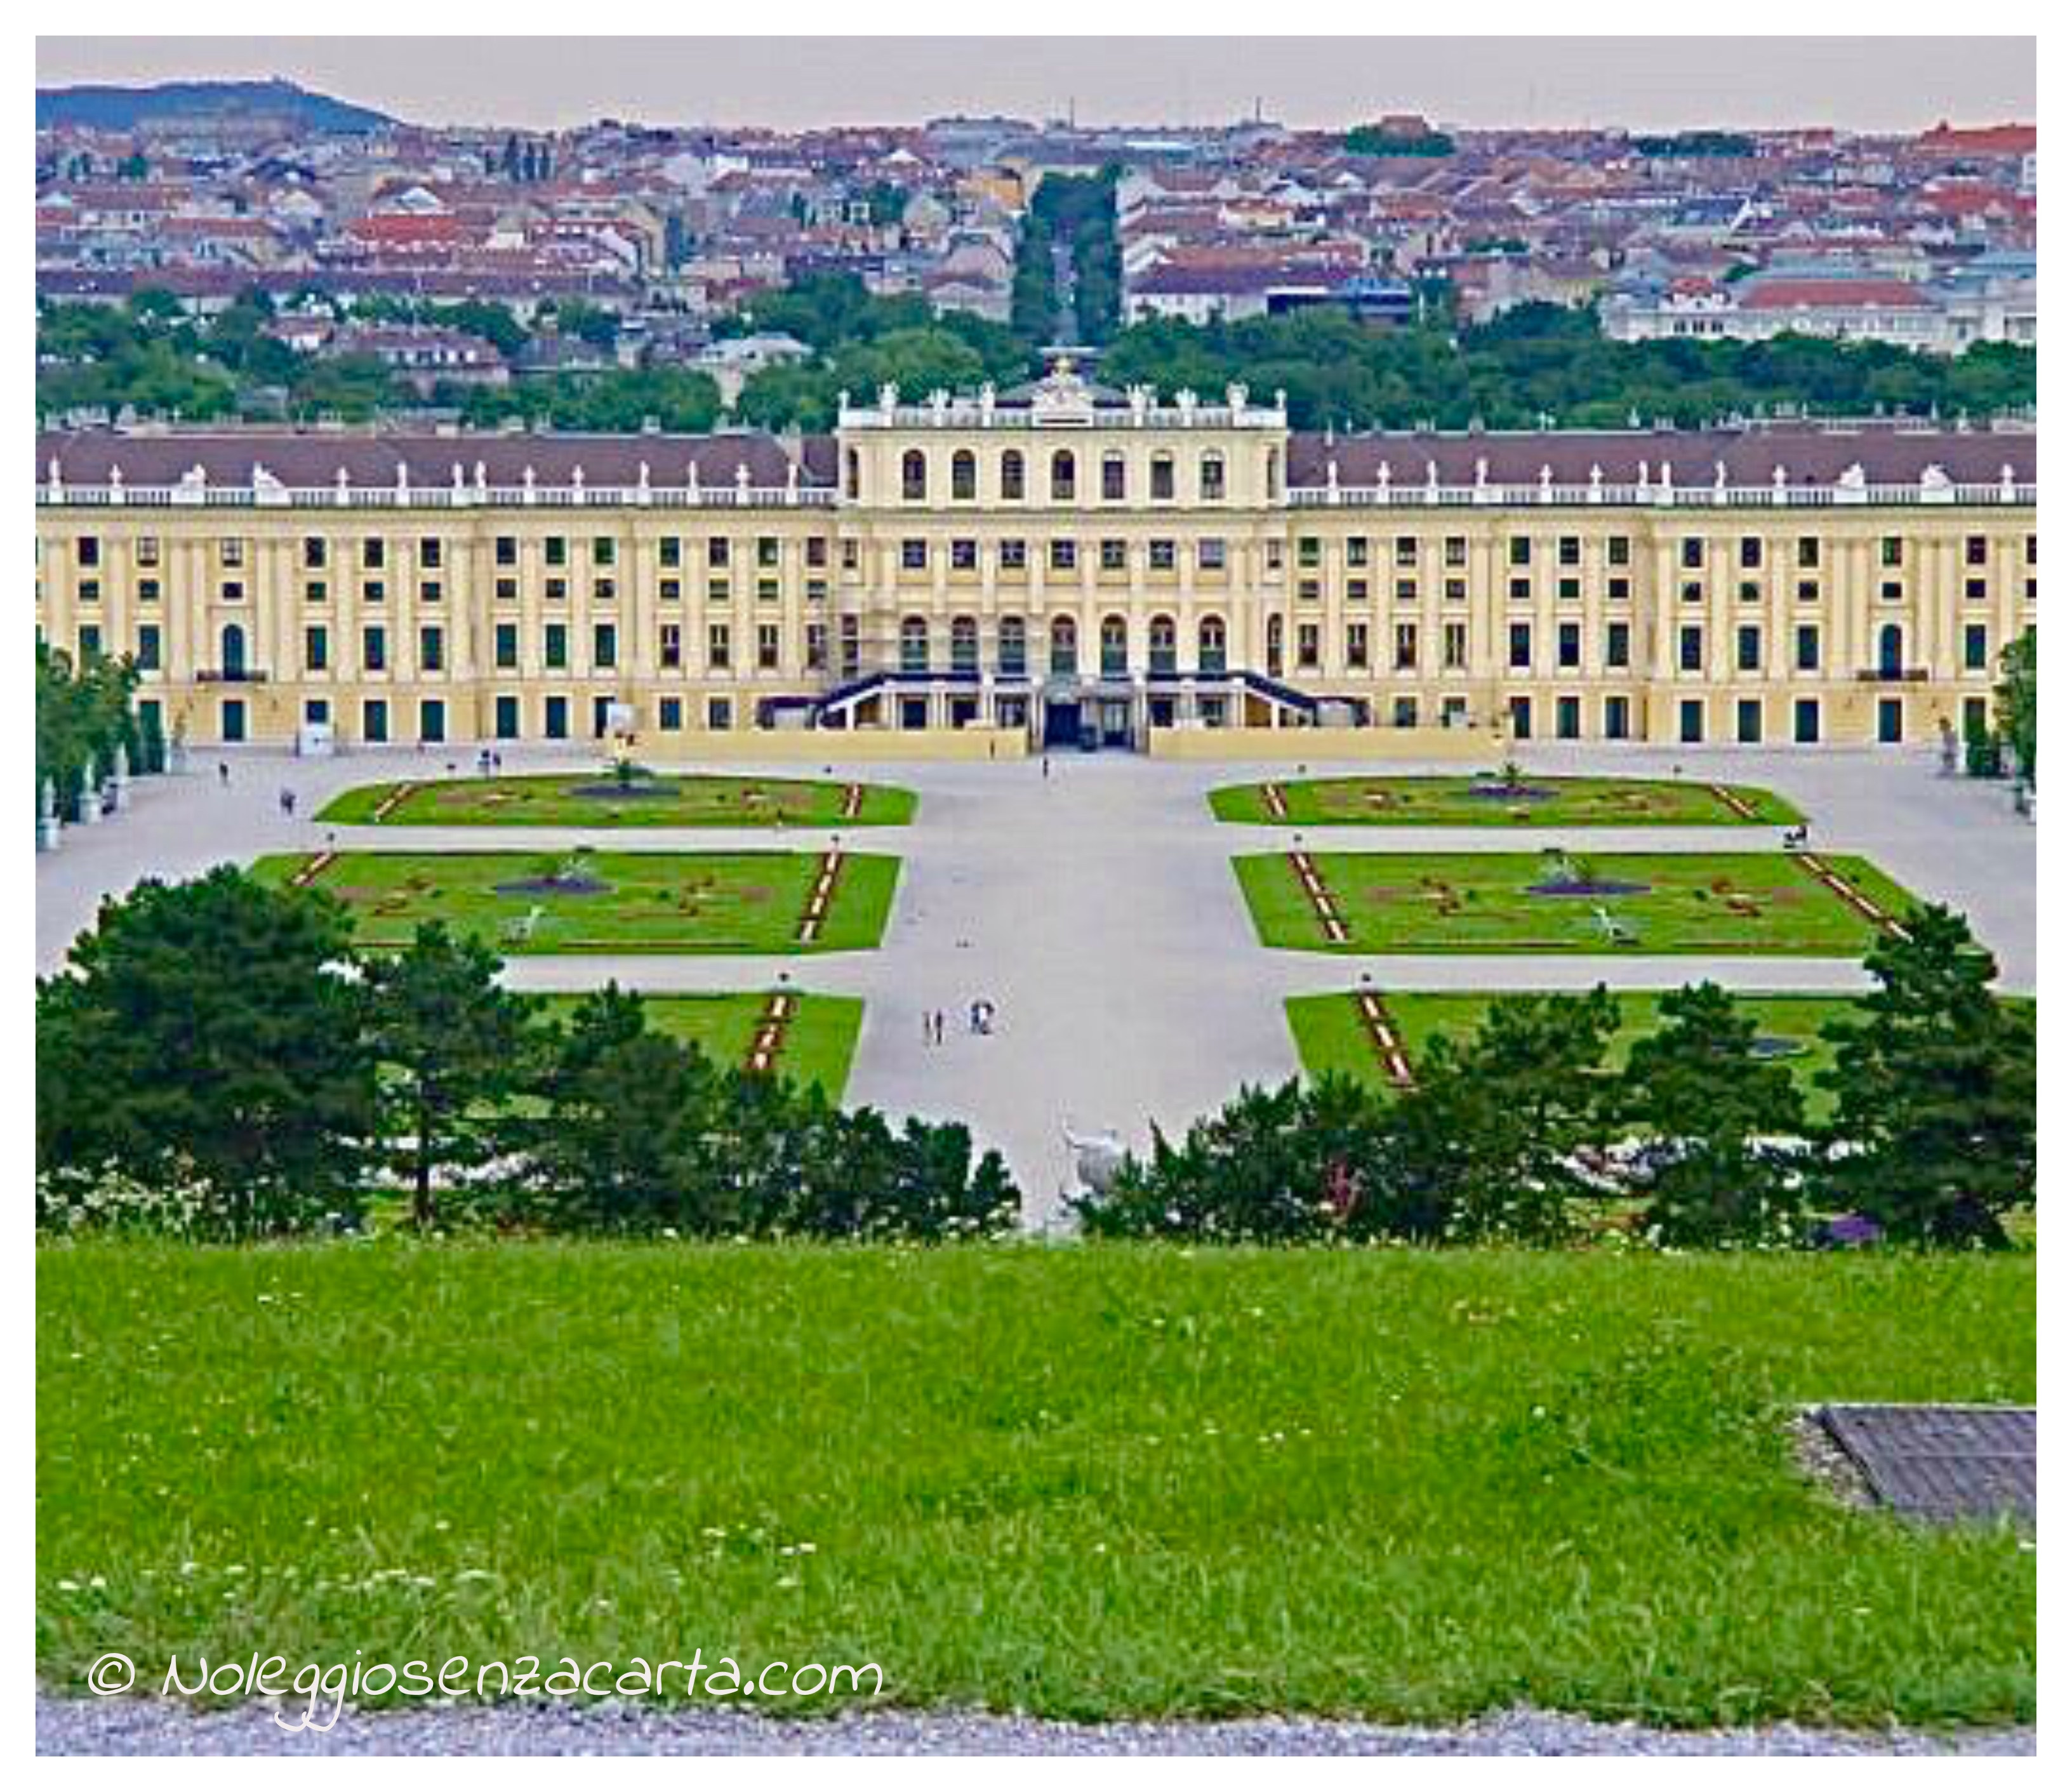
1059, 562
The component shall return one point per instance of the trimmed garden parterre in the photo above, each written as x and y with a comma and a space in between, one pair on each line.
1690, 904
660, 798
666, 902
1094, 1483
818, 1039
1489, 800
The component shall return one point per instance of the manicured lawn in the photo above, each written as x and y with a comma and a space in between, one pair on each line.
1330, 1035
1480, 800
652, 901
1096, 1482
1695, 903
589, 800
819, 1043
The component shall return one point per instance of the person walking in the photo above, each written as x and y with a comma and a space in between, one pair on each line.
287, 802
223, 772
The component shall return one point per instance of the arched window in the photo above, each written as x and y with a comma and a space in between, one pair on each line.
1014, 646
1114, 646
964, 643
233, 649
1064, 645
1164, 645
1275, 652
1064, 475
914, 475
913, 644
1161, 478
851, 473
1114, 479
1210, 651
1212, 475
1013, 478
1892, 649
964, 474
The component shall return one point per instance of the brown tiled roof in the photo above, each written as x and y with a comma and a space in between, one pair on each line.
1808, 456
314, 458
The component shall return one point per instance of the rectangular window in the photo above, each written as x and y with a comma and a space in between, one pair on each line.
717, 550
1618, 551
1568, 551
1751, 552
1748, 648
1693, 552
1568, 646
1748, 720
556, 643
557, 550
1691, 720
431, 649
1453, 646
604, 645
313, 552
719, 647
670, 715
556, 718
507, 647
507, 590
374, 720
1521, 550
430, 554
506, 550
1210, 554
316, 649
1164, 555
432, 719
1064, 556
1691, 649
1806, 720
1809, 553
1356, 645
147, 648
1406, 647
507, 718
719, 714
672, 646
373, 554
1014, 556
766, 639
1975, 646
1457, 550
1114, 556
374, 649
1619, 645
1521, 646
1807, 647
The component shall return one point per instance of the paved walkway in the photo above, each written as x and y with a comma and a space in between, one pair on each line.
1097, 909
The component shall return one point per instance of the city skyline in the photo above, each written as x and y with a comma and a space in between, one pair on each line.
1871, 85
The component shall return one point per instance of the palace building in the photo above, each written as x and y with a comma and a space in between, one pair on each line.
1086, 565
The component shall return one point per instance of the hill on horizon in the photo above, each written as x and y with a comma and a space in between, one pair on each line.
111, 108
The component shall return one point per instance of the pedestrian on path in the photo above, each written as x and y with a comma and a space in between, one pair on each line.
287, 803
223, 772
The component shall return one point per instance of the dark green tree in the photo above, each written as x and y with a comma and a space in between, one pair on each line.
205, 1036
2014, 700
1489, 1144
1934, 1130
451, 1046
1714, 1167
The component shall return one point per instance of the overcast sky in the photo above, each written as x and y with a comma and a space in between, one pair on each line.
1892, 84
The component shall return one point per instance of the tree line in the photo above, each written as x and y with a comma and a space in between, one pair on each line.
1536, 365
83, 713
214, 1062
1521, 1133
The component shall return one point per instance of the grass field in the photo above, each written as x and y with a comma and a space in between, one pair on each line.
1467, 802
1098, 1482
652, 901
1330, 1035
1694, 903
587, 800
819, 1044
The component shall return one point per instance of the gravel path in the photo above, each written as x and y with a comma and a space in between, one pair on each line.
141, 1727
